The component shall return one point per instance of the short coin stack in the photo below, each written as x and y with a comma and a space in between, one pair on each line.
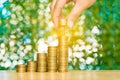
52, 59
41, 62
63, 54
31, 66
21, 68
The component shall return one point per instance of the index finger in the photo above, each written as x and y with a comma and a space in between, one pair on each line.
52, 6
58, 11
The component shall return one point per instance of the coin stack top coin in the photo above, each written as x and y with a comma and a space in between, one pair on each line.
21, 68
52, 59
41, 62
31, 66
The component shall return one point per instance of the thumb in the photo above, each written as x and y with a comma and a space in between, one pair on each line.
74, 14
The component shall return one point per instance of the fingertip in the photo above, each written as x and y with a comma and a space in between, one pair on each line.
56, 22
70, 23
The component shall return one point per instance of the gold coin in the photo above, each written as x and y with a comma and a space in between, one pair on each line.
63, 22
50, 52
52, 58
52, 55
20, 70
32, 63
63, 70
41, 58
63, 37
31, 70
63, 58
31, 67
41, 69
21, 66
39, 64
63, 46
52, 61
52, 46
63, 55
52, 49
41, 55
52, 70
52, 65
42, 61
63, 62
63, 66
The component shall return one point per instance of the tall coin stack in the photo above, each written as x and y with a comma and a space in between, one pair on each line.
41, 62
52, 59
21, 68
63, 54
31, 66
63, 48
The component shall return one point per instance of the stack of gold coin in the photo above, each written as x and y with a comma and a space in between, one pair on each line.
21, 68
31, 66
41, 62
52, 59
63, 54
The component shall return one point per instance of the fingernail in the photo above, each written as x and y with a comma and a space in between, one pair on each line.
70, 24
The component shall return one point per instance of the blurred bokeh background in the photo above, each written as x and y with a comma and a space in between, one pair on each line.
26, 28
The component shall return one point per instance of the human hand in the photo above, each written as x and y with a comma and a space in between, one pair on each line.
79, 7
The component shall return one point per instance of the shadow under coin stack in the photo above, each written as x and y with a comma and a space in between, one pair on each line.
31, 66
52, 59
41, 62
21, 68
63, 54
